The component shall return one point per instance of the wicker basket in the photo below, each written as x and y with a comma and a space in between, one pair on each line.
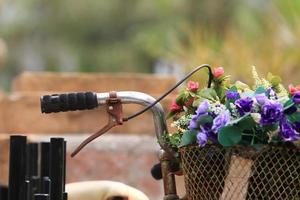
213, 173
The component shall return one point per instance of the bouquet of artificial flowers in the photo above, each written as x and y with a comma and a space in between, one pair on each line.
236, 114
249, 122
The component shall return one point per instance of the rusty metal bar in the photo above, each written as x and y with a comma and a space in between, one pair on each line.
168, 177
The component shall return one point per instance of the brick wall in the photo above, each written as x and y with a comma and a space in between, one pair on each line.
125, 154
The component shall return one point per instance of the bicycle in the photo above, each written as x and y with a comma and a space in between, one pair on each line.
113, 102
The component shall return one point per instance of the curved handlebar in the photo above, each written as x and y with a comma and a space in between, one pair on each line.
89, 100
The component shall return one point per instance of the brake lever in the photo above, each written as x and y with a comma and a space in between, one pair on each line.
114, 110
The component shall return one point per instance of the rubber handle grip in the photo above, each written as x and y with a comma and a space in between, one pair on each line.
68, 102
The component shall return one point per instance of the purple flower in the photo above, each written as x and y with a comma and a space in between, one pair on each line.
261, 99
296, 126
287, 132
296, 98
193, 123
201, 110
244, 105
202, 139
232, 95
206, 134
272, 112
220, 121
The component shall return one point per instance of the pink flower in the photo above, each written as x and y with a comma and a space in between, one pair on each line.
218, 72
175, 107
193, 86
293, 89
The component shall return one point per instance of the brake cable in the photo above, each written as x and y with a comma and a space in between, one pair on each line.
173, 88
115, 111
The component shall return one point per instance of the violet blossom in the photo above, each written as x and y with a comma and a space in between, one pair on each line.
261, 98
232, 95
202, 139
287, 131
244, 105
220, 121
201, 110
296, 98
272, 112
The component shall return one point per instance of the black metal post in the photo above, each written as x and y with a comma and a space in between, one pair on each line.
57, 154
41, 197
65, 196
17, 168
65, 166
45, 159
28, 190
3, 192
45, 185
32, 160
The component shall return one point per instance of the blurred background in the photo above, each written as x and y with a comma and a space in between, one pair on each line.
130, 44
162, 36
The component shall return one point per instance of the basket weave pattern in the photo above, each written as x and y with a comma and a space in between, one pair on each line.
213, 173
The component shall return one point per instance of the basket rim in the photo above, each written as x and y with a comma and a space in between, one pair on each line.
295, 149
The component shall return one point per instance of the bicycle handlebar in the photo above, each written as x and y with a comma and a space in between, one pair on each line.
89, 100
68, 102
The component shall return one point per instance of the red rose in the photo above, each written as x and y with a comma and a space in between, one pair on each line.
293, 89
175, 107
189, 102
218, 72
193, 86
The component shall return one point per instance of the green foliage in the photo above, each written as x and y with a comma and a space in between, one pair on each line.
174, 140
260, 90
132, 35
229, 136
205, 119
208, 93
288, 104
188, 137
295, 117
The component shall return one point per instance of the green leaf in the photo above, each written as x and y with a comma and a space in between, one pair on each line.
170, 115
295, 117
236, 121
198, 101
247, 123
181, 99
274, 80
233, 89
208, 93
229, 136
271, 128
260, 90
188, 137
205, 119
288, 104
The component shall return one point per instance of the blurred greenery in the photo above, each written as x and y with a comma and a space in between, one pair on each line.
132, 35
